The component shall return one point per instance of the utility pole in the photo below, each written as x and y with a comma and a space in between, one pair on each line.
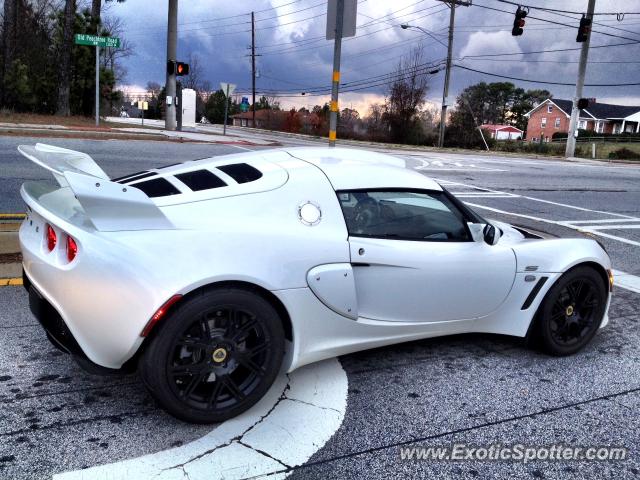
582, 68
253, 67
445, 91
172, 44
337, 48
226, 110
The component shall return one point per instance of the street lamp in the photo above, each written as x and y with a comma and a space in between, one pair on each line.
445, 92
406, 26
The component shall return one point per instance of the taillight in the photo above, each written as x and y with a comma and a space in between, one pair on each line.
72, 249
52, 238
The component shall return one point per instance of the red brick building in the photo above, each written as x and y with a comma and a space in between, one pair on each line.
553, 116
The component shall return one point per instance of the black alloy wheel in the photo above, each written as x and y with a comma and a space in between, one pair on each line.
215, 356
572, 311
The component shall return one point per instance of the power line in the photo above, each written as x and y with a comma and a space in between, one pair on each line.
551, 61
553, 50
546, 82
368, 82
551, 21
309, 47
243, 14
322, 37
553, 10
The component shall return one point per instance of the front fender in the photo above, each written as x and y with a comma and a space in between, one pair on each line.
559, 254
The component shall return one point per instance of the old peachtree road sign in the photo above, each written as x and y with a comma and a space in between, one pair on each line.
94, 40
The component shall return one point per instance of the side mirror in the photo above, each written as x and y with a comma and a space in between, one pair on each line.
491, 234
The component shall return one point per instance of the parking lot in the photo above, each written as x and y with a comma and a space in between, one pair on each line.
350, 418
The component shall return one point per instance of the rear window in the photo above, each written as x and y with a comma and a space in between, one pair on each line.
200, 180
241, 172
158, 187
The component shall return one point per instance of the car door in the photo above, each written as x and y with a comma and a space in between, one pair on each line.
414, 259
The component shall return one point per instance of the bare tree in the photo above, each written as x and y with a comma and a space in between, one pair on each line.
153, 88
114, 26
194, 79
9, 33
407, 93
65, 58
96, 10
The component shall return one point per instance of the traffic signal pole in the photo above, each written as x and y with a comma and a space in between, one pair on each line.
335, 84
582, 68
172, 44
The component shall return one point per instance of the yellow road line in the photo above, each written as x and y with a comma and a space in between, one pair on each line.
9, 282
12, 215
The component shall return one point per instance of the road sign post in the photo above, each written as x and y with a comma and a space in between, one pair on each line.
97, 85
228, 89
96, 41
341, 22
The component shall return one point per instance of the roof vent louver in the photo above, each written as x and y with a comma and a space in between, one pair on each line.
200, 180
241, 172
158, 187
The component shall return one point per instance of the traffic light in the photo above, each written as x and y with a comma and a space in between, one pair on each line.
518, 22
177, 68
182, 69
584, 29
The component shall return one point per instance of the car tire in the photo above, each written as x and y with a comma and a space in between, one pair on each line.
215, 355
571, 312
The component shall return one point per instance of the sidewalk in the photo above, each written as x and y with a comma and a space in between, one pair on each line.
10, 266
150, 130
198, 133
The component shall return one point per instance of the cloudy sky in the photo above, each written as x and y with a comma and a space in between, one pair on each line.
295, 56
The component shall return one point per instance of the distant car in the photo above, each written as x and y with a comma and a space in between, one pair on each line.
210, 276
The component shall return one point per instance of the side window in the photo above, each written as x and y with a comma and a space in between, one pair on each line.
403, 215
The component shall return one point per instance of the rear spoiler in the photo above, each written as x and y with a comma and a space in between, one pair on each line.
110, 206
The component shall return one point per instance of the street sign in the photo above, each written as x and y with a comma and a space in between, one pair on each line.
348, 20
244, 104
96, 41
227, 88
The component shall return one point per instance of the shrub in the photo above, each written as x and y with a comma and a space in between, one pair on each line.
624, 154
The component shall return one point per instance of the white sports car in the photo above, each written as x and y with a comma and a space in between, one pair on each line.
210, 276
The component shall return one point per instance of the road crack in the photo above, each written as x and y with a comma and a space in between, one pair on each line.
312, 404
238, 439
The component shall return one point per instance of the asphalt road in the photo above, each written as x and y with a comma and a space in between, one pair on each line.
472, 389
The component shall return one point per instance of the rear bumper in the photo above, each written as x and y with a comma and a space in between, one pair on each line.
57, 331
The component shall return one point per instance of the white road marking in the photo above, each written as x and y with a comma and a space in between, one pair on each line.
546, 201
238, 146
601, 220
612, 227
555, 222
626, 281
295, 418
489, 194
